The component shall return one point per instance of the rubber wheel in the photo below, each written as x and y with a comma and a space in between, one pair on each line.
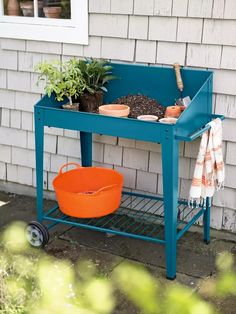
37, 234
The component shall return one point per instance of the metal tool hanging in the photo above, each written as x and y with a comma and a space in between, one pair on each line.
181, 101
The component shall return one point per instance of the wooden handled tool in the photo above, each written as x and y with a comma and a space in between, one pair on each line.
178, 76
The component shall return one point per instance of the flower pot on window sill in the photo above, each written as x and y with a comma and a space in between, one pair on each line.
13, 8
52, 12
27, 8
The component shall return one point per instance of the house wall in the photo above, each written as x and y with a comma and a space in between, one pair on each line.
195, 33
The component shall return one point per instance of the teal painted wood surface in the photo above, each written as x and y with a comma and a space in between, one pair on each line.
153, 81
156, 82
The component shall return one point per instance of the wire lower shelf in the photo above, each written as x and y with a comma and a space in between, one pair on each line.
139, 216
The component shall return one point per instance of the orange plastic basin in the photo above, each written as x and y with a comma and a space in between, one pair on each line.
88, 192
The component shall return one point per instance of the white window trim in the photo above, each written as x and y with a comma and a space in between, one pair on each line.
73, 31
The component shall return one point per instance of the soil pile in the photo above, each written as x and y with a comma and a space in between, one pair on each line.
140, 105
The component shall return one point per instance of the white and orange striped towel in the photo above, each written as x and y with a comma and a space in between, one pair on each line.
209, 172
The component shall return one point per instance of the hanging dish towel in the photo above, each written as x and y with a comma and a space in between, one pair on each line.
209, 172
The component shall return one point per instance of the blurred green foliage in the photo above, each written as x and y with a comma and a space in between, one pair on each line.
32, 282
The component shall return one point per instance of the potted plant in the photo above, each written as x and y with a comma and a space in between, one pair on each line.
65, 9
96, 73
64, 79
12, 7
27, 8
52, 8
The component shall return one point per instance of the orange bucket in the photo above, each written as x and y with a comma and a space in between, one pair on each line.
88, 192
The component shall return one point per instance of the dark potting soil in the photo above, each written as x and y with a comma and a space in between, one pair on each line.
140, 105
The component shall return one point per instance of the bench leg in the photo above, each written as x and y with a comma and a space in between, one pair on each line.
206, 222
170, 155
86, 148
39, 144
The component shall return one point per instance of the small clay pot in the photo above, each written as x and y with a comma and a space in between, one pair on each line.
168, 120
147, 117
115, 110
13, 8
173, 112
52, 12
182, 108
73, 107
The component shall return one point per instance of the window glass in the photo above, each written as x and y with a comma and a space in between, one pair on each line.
60, 9
56, 9
49, 20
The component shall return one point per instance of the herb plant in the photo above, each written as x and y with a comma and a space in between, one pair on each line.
96, 74
65, 79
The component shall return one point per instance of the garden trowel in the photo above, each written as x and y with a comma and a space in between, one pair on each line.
181, 101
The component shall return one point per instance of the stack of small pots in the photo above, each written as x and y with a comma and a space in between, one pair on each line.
52, 8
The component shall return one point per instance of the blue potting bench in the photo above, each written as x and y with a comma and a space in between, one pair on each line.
159, 219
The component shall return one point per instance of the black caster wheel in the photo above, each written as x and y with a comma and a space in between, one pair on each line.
37, 234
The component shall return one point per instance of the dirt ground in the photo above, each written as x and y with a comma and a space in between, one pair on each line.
195, 260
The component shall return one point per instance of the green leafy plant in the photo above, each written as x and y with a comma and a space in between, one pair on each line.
96, 74
33, 282
65, 79
66, 9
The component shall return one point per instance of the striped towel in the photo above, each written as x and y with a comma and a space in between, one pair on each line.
209, 172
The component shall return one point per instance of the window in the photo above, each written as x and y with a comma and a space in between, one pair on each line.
49, 20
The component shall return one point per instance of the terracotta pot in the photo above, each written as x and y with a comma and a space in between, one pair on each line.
173, 112
52, 12
91, 102
115, 110
147, 117
168, 120
182, 108
73, 107
27, 8
13, 8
